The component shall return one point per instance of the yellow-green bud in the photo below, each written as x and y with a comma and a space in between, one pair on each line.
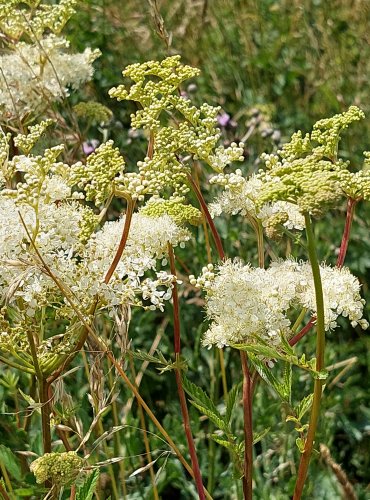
60, 468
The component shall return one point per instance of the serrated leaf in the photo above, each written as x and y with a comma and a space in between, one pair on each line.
303, 406
143, 356
291, 418
267, 375
199, 396
215, 418
231, 400
258, 349
31, 402
257, 436
302, 428
9, 461
223, 442
176, 365
87, 489
284, 353
164, 364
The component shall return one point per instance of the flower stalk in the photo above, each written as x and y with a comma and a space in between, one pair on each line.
203, 204
351, 205
180, 389
320, 362
248, 429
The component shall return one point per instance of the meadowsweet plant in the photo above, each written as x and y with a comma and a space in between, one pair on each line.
74, 267
252, 308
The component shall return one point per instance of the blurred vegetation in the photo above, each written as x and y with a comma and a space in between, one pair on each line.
295, 61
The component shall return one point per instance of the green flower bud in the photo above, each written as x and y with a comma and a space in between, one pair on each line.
60, 468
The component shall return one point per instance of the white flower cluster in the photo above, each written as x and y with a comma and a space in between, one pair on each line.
241, 195
244, 303
33, 75
81, 268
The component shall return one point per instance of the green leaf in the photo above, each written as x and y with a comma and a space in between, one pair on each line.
284, 353
143, 356
257, 436
204, 403
9, 461
267, 375
164, 364
24, 492
87, 489
231, 400
300, 444
223, 442
303, 406
215, 418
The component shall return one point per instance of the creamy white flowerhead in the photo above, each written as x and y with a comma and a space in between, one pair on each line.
241, 195
244, 303
33, 75
56, 228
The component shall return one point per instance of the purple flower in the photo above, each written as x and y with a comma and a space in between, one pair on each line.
90, 146
223, 119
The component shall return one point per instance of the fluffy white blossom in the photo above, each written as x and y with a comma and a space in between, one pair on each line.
56, 229
341, 295
243, 303
35, 74
241, 195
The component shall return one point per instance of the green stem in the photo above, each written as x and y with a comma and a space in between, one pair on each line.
223, 373
43, 396
320, 353
6, 479
299, 319
260, 245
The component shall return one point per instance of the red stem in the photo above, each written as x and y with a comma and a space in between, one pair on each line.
248, 432
180, 390
211, 224
346, 232
302, 332
122, 243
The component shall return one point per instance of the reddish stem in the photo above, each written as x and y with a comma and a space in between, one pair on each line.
122, 243
180, 390
346, 232
248, 432
302, 332
211, 224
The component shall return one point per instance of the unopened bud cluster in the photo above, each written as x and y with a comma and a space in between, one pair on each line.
60, 468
